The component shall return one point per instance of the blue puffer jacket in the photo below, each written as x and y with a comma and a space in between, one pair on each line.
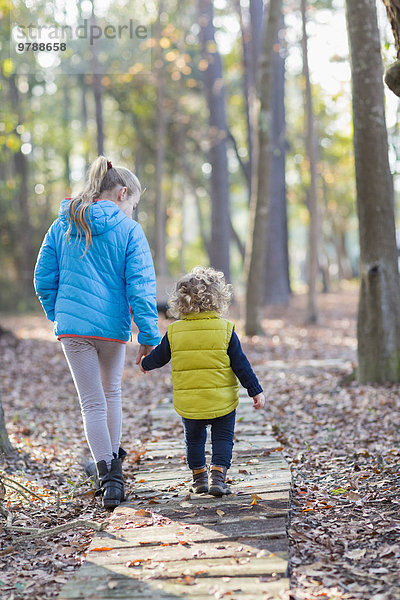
91, 296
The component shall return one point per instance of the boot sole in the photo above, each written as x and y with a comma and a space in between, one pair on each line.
110, 507
199, 490
112, 503
219, 491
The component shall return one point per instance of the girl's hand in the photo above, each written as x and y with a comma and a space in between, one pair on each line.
141, 368
259, 401
142, 352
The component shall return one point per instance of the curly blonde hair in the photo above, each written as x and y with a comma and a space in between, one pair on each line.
201, 290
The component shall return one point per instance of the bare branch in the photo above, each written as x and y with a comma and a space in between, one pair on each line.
23, 487
41, 533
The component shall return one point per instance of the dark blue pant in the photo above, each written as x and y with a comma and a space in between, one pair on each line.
222, 429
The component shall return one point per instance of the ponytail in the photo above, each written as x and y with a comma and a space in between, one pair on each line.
102, 176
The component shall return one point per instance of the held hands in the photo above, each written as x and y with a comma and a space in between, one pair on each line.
142, 352
258, 401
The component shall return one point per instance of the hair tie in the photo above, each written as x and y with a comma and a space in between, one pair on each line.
109, 165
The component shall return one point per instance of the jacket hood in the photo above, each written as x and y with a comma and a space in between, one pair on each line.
103, 214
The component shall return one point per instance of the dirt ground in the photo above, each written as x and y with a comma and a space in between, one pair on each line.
341, 440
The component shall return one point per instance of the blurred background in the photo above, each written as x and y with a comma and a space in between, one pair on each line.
176, 105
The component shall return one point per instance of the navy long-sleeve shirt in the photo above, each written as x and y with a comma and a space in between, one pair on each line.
161, 355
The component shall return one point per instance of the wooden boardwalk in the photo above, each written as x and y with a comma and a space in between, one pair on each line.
166, 544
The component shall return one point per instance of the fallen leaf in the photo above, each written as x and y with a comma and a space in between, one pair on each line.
353, 496
112, 584
355, 554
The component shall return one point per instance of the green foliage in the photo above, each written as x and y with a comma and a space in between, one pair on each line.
48, 124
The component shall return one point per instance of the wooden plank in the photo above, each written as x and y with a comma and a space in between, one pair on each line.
176, 532
166, 554
104, 584
179, 546
243, 566
276, 473
243, 498
255, 464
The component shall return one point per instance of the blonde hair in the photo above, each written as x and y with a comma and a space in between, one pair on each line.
101, 177
201, 290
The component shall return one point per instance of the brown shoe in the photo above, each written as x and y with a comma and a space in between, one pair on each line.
200, 481
218, 486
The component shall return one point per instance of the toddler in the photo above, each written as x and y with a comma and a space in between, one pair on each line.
207, 360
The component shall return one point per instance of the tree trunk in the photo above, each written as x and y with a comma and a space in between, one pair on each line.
160, 204
215, 94
66, 119
97, 91
378, 328
255, 262
344, 265
251, 29
276, 288
84, 119
5, 444
25, 247
246, 40
311, 144
98, 100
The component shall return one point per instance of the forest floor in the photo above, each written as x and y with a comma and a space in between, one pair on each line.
340, 439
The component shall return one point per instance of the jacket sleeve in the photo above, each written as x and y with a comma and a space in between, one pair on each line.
141, 287
242, 368
46, 274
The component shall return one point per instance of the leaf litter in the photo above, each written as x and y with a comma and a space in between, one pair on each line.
340, 439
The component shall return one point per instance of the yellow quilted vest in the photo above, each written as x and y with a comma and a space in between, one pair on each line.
205, 387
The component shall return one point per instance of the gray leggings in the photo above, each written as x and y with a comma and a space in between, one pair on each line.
96, 367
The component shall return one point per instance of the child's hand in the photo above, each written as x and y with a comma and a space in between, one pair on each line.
259, 401
142, 352
141, 368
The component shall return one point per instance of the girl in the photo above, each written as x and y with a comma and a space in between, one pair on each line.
207, 361
93, 270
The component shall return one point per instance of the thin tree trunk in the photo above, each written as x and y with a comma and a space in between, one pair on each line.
251, 24
84, 119
67, 141
378, 328
246, 51
98, 100
182, 201
160, 204
5, 444
276, 288
344, 265
194, 184
311, 144
97, 90
215, 94
260, 199
25, 247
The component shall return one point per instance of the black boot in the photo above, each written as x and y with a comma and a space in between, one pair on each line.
218, 486
111, 483
91, 471
200, 481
